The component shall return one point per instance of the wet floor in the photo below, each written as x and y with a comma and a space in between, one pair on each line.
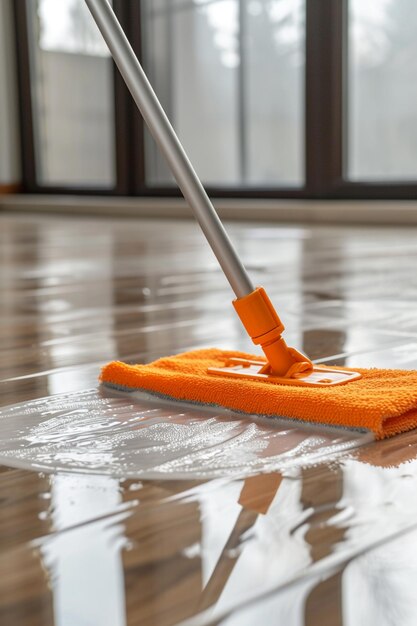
245, 523
130, 435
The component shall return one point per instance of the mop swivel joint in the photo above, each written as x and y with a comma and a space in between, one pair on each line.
284, 365
264, 326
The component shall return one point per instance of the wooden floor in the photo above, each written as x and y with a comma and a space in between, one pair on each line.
327, 545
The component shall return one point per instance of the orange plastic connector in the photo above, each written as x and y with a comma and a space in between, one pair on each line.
262, 323
284, 365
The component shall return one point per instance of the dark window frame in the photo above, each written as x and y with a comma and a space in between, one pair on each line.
325, 119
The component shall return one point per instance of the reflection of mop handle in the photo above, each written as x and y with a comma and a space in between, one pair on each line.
163, 133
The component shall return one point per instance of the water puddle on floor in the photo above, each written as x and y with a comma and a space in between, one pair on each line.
130, 435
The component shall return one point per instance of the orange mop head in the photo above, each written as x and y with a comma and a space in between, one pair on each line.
383, 401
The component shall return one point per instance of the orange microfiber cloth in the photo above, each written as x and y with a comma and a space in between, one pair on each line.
384, 401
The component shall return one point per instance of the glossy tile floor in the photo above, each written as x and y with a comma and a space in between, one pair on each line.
329, 543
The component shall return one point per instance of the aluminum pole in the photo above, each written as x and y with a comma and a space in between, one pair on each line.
164, 134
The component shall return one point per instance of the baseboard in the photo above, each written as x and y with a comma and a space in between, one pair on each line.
401, 212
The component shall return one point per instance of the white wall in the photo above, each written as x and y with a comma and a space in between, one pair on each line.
9, 136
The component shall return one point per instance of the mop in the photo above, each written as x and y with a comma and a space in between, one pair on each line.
283, 382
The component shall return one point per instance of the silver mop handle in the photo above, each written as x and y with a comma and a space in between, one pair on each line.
163, 133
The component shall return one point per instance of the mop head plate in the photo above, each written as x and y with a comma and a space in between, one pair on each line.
383, 401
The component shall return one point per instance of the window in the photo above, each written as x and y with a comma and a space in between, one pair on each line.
271, 98
72, 96
231, 76
382, 90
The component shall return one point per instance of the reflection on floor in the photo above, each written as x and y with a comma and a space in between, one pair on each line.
330, 544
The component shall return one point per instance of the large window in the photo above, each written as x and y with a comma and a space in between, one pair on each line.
273, 98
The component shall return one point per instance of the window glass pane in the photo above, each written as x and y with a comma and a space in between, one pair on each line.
230, 74
72, 95
274, 92
382, 90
